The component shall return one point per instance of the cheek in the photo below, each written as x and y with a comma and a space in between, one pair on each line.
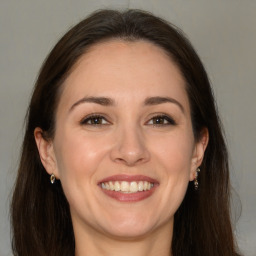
174, 156
78, 158
175, 152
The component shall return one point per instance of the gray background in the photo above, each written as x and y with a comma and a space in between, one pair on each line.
222, 31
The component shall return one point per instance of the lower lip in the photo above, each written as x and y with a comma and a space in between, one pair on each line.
129, 197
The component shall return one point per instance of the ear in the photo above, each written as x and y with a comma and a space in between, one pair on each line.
198, 154
46, 152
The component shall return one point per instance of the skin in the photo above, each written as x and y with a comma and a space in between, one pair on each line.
126, 142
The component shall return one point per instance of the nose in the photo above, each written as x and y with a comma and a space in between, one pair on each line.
130, 147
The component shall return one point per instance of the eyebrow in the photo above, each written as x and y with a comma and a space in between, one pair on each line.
104, 101
97, 100
160, 100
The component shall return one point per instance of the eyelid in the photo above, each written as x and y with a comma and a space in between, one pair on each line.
85, 119
166, 117
169, 119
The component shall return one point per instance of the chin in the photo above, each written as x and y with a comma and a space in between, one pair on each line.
129, 232
131, 226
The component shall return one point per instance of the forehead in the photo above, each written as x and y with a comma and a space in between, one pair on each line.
121, 69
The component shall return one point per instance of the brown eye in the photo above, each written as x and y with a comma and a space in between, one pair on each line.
94, 120
161, 120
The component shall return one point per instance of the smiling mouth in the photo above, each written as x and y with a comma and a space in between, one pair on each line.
127, 187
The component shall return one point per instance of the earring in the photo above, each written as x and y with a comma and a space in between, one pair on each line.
52, 178
196, 184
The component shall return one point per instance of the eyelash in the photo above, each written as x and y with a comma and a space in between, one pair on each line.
166, 119
158, 118
94, 117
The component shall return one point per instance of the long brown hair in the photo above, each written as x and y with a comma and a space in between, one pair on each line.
40, 213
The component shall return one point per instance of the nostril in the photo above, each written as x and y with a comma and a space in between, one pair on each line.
131, 160
129, 147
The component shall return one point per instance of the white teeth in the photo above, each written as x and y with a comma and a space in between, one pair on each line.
133, 186
117, 186
140, 186
127, 187
111, 185
145, 185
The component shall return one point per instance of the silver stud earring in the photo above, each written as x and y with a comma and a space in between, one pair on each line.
52, 178
196, 184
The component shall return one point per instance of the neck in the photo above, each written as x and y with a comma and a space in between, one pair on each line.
95, 243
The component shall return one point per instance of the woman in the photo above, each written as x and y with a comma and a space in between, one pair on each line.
123, 151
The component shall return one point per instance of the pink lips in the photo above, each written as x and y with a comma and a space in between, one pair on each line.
129, 197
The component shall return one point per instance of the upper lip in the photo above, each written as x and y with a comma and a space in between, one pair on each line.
128, 178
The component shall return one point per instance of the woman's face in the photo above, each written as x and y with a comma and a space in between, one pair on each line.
124, 148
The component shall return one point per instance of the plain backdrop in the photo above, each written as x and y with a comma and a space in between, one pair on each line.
222, 31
